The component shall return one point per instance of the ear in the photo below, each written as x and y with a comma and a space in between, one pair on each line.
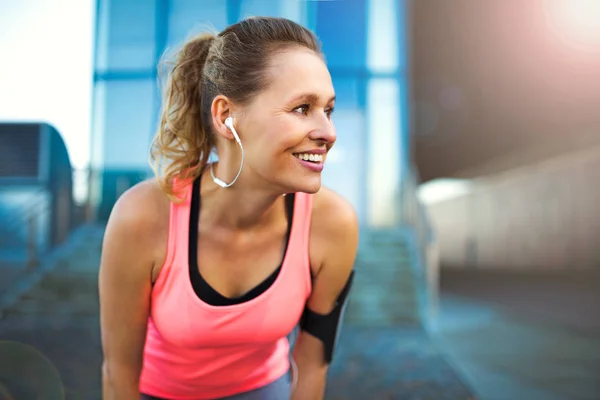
222, 107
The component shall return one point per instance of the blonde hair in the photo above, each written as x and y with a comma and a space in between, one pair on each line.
232, 63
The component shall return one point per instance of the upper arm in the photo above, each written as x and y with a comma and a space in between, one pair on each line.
334, 243
129, 253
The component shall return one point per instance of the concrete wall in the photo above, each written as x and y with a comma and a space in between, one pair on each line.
500, 84
544, 217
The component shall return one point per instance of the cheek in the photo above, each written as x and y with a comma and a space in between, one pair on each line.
275, 140
294, 131
271, 150
284, 136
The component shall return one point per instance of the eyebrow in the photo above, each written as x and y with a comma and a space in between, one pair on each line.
311, 97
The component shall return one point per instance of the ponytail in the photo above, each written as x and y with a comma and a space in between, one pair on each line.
183, 143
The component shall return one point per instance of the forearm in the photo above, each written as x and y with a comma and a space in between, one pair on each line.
119, 384
311, 369
310, 385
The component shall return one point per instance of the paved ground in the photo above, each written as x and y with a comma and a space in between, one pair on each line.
12, 272
562, 299
58, 317
390, 364
523, 337
51, 333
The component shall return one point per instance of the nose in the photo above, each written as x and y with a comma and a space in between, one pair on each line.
324, 130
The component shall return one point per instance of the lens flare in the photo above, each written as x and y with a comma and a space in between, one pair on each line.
576, 22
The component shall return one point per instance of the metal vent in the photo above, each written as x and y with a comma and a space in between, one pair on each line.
19, 150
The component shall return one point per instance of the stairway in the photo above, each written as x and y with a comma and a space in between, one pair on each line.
387, 286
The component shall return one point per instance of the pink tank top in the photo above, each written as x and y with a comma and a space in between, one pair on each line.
195, 350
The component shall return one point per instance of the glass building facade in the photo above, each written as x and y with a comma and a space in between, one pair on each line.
364, 42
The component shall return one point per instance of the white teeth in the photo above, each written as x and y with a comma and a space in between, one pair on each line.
310, 157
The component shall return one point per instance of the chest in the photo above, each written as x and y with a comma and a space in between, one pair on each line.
235, 264
268, 317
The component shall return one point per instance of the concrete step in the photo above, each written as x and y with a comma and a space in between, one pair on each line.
386, 291
369, 310
384, 261
393, 285
400, 248
379, 278
384, 236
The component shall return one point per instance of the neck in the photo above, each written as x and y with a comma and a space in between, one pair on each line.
237, 207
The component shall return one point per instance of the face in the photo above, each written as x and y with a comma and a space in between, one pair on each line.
287, 129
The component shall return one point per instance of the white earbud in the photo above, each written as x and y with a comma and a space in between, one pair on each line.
229, 124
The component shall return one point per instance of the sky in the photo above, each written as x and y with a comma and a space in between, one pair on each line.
46, 73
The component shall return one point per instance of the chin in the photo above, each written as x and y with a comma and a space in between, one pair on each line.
306, 185
311, 190
312, 185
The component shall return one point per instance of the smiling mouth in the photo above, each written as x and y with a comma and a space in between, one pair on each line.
314, 158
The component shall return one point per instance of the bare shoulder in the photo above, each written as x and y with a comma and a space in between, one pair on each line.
334, 215
142, 206
139, 220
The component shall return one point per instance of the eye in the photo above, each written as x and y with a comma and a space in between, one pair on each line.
303, 109
329, 111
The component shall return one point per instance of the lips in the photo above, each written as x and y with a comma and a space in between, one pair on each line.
311, 161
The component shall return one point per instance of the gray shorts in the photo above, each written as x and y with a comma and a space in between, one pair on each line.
278, 390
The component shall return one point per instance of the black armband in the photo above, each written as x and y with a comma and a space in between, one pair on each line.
327, 327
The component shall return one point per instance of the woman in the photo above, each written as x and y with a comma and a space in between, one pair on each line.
206, 269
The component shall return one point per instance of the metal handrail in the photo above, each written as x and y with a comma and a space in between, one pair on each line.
23, 218
25, 212
413, 213
422, 210
412, 210
27, 215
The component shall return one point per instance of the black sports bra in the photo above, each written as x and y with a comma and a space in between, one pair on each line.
203, 290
